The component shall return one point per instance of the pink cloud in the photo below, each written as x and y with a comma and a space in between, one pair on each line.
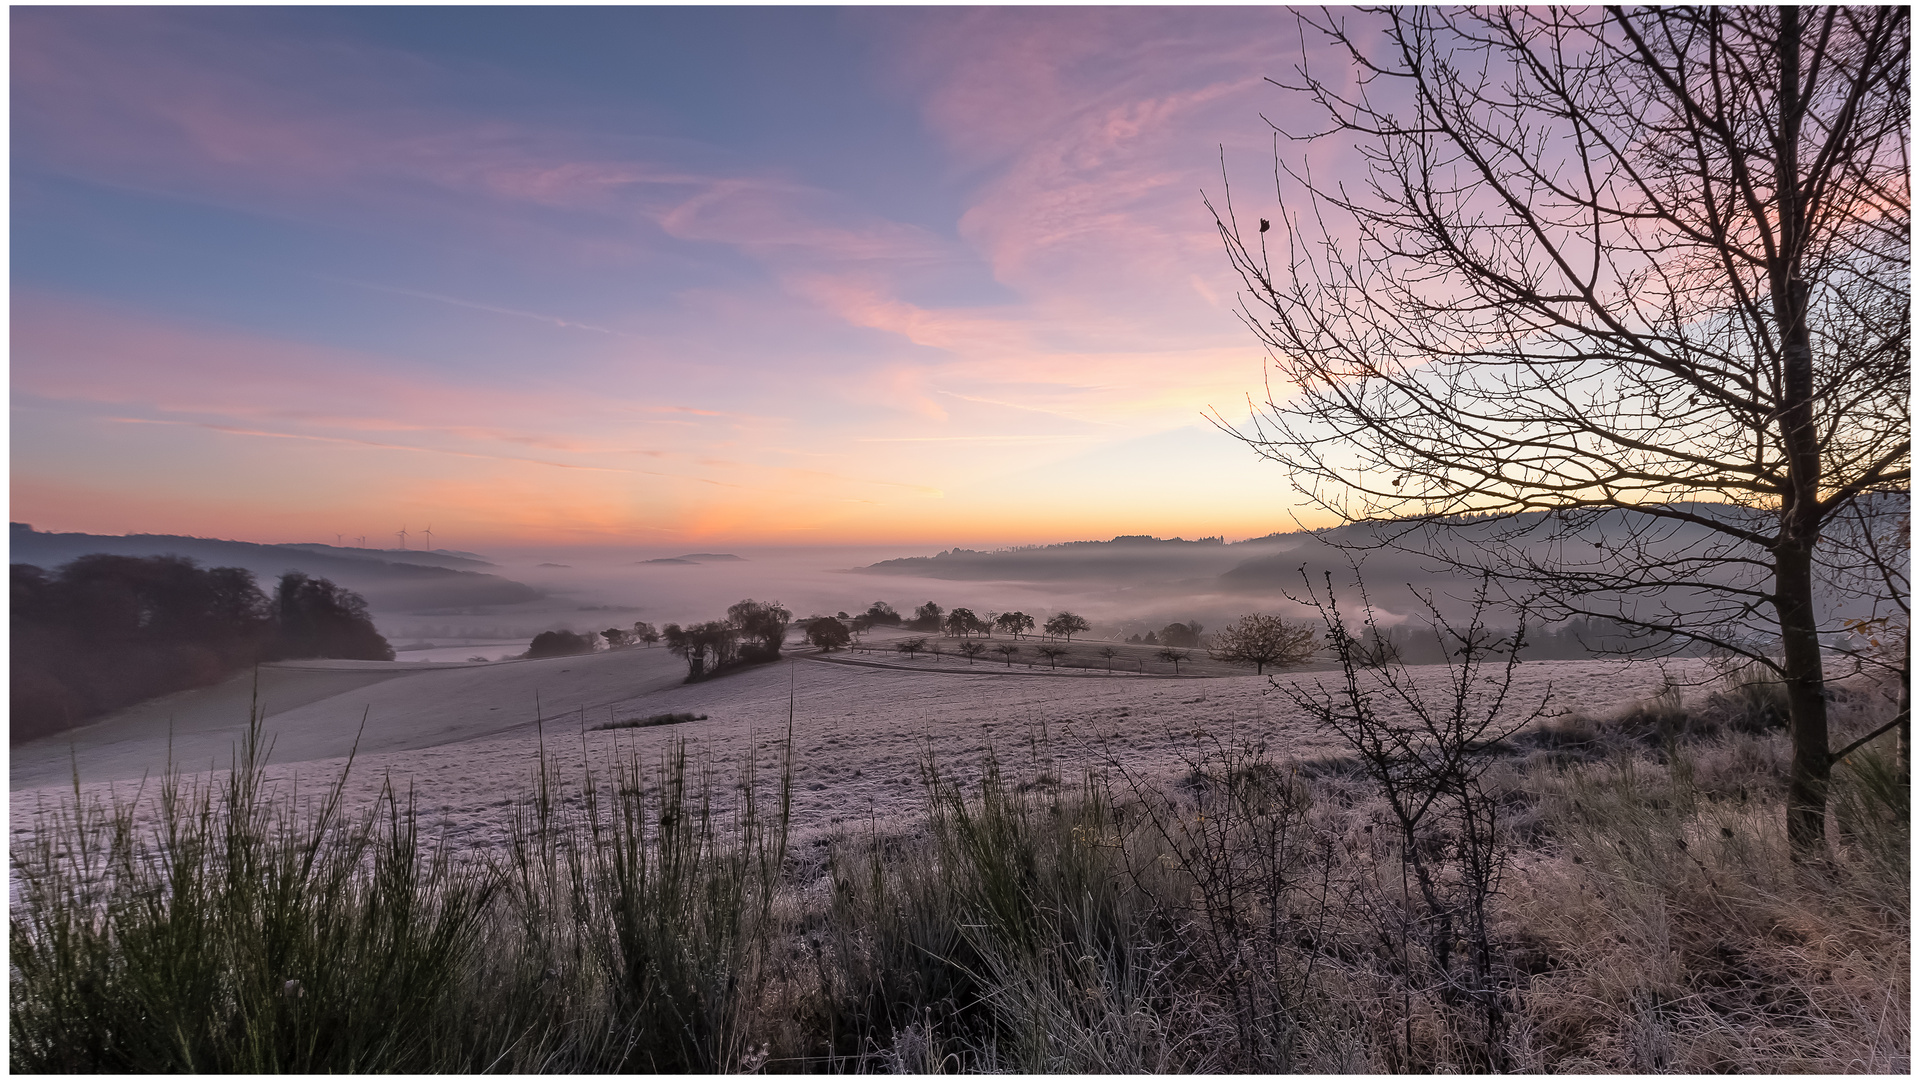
136, 365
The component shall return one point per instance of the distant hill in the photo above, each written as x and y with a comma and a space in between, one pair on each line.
690, 560
1118, 559
392, 581
452, 560
1268, 569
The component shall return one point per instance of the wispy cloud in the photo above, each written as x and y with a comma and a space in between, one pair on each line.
552, 320
712, 309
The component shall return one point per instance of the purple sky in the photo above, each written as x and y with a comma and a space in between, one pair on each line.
649, 276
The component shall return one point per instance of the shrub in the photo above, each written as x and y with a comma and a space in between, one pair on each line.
551, 643
828, 633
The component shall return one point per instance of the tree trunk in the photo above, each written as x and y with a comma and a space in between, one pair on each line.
1806, 702
1800, 502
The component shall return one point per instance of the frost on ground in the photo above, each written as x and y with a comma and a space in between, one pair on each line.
466, 741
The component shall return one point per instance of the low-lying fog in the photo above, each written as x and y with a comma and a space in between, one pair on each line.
1122, 588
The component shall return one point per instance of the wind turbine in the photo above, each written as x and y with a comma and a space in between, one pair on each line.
402, 534
429, 531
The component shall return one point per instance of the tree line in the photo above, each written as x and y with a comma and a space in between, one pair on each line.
106, 631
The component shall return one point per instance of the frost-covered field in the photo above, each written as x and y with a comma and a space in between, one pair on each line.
464, 738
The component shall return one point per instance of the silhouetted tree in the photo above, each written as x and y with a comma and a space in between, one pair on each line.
645, 631
926, 617
1181, 635
1066, 624
911, 646
1014, 622
1008, 652
616, 638
962, 621
828, 634
881, 613
320, 619
1108, 654
1643, 270
1174, 657
971, 650
1052, 652
706, 647
1265, 639
762, 623
551, 643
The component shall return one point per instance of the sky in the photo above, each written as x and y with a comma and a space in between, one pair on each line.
637, 276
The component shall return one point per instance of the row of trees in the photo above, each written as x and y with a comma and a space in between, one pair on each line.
106, 631
1173, 635
550, 643
962, 622
752, 633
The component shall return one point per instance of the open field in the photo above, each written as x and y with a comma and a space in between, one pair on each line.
1101, 873
466, 737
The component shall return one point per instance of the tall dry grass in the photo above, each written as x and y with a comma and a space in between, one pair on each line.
1252, 913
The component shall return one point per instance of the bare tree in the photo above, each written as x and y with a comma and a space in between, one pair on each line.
1053, 653
1265, 639
1634, 281
1426, 755
1008, 652
971, 650
1107, 654
911, 646
1174, 656
1066, 624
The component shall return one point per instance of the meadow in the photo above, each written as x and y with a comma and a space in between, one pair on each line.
870, 863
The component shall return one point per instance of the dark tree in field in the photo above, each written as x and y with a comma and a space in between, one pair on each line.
1007, 652
616, 637
550, 643
645, 631
1066, 624
1173, 656
1265, 639
1630, 278
319, 618
1181, 635
962, 622
926, 617
1014, 622
828, 634
706, 647
1107, 654
1053, 653
761, 623
911, 647
971, 650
